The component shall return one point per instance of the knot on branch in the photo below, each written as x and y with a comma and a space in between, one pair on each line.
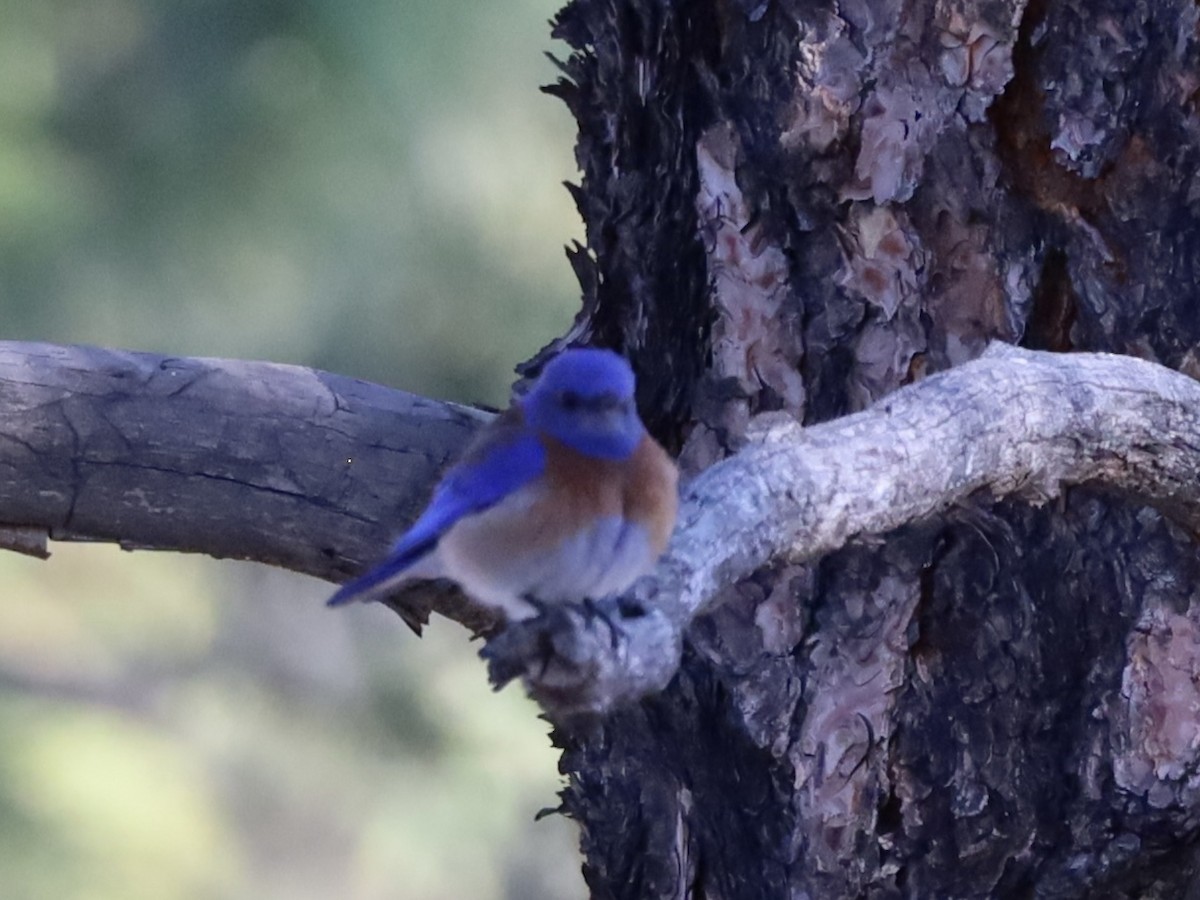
587, 659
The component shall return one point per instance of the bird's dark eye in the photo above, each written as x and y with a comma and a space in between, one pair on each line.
570, 401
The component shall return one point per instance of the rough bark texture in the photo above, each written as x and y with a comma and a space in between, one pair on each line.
820, 202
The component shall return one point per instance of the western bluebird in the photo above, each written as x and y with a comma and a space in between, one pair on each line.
562, 498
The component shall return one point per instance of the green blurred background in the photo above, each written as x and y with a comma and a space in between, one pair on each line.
369, 187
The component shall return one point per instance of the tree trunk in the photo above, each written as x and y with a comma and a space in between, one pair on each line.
802, 206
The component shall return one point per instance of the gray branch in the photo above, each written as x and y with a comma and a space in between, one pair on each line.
1013, 422
316, 473
284, 465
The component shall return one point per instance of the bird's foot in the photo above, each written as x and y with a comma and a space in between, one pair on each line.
593, 610
540, 607
546, 613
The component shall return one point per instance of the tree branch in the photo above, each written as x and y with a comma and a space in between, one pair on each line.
284, 465
1013, 422
316, 472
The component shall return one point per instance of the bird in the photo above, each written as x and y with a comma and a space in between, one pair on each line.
563, 498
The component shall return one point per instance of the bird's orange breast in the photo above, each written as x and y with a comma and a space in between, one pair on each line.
641, 489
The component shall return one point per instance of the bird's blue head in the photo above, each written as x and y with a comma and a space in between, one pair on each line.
584, 398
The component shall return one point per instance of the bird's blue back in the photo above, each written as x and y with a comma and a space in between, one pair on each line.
582, 401
507, 457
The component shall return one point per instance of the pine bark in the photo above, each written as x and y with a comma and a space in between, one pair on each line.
800, 207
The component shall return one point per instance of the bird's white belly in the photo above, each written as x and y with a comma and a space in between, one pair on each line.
592, 563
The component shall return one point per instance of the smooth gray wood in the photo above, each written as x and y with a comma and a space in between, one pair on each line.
289, 466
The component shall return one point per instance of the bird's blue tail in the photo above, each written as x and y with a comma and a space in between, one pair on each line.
482, 479
371, 584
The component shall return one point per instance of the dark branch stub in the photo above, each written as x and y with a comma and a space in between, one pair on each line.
27, 541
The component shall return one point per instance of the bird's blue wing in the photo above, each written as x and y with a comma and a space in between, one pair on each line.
506, 458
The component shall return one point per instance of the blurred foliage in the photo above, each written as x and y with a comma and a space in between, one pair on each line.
369, 187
